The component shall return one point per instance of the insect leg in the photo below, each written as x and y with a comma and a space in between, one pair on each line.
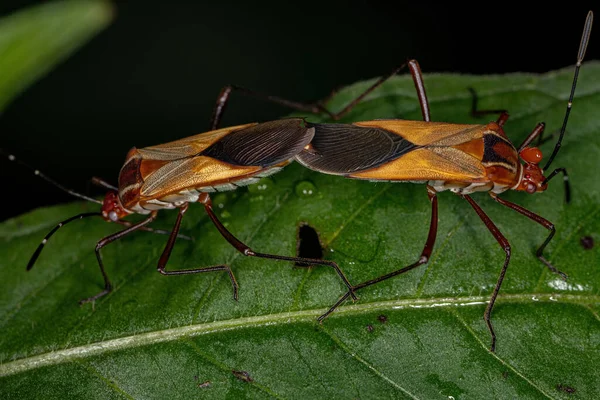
223, 99
157, 231
423, 259
478, 113
506, 247
544, 222
109, 239
247, 251
318, 108
538, 131
415, 71
164, 258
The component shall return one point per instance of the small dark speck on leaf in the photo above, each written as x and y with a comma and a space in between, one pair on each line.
242, 375
587, 242
382, 318
370, 328
505, 374
203, 384
565, 388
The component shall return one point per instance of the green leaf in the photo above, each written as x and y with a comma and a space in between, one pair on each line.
34, 40
163, 337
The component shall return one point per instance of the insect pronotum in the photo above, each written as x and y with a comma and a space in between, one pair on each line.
457, 157
172, 175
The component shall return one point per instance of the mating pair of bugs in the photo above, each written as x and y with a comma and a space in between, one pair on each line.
456, 157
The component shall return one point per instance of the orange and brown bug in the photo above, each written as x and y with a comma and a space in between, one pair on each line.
461, 158
172, 175
457, 157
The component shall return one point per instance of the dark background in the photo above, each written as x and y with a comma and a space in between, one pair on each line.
154, 74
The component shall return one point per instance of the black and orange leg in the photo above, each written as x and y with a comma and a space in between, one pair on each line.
544, 222
318, 108
247, 251
109, 239
423, 259
503, 242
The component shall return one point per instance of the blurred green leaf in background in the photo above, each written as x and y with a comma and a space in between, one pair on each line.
418, 336
34, 40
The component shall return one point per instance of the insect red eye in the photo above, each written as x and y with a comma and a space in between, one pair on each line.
531, 155
531, 188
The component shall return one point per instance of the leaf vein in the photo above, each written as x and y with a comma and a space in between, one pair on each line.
369, 366
159, 336
494, 355
111, 384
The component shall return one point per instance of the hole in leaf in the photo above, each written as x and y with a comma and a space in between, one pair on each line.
309, 245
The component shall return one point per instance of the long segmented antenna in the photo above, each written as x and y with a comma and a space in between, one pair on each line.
35, 255
585, 38
48, 179
96, 181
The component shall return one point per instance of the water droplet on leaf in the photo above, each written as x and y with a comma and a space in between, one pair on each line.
305, 189
261, 186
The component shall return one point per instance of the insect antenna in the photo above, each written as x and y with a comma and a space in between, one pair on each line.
48, 179
585, 38
37, 252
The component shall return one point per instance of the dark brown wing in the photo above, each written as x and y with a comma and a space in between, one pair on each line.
343, 149
263, 145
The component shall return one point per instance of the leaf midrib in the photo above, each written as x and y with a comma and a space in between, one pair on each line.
91, 349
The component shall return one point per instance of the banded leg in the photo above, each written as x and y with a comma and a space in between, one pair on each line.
487, 315
318, 108
164, 258
423, 259
247, 251
109, 239
544, 222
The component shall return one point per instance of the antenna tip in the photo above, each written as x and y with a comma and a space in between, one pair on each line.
585, 37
